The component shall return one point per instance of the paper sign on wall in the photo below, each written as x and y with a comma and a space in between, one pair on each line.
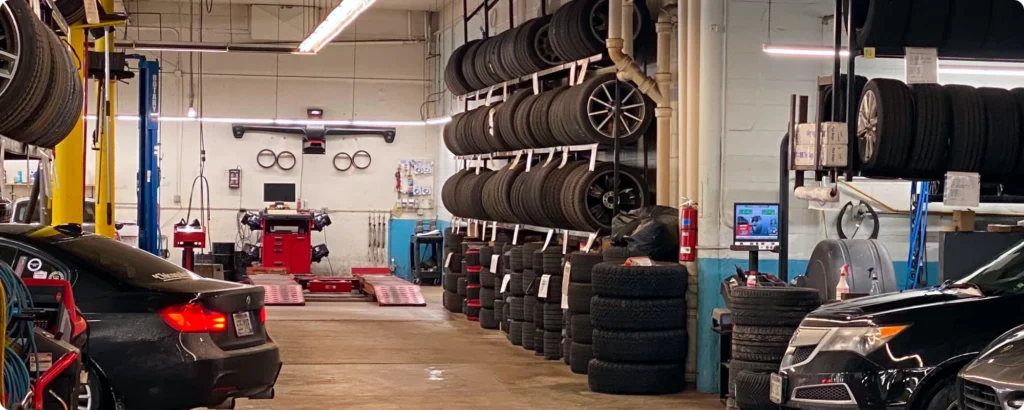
963, 189
542, 290
922, 65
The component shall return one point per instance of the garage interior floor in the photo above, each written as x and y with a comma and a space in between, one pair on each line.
347, 355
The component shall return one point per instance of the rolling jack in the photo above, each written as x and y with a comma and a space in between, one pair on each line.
189, 237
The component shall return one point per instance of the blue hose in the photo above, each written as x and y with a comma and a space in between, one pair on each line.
17, 380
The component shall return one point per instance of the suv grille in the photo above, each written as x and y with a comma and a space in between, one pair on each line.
832, 392
980, 397
802, 353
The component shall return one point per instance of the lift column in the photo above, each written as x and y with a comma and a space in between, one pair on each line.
69, 161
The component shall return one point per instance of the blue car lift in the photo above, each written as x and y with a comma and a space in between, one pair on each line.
917, 260
148, 177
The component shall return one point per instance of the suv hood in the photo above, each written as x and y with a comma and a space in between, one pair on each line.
1002, 362
889, 303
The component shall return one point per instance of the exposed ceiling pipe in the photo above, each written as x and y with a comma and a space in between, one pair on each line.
628, 70
627, 27
663, 112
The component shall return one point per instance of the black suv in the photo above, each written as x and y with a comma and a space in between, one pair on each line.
900, 350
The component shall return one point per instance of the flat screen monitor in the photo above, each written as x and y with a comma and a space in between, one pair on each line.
756, 222
278, 192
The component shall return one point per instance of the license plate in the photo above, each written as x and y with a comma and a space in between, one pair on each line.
775, 393
243, 324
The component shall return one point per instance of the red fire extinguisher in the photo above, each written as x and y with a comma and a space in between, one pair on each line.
688, 232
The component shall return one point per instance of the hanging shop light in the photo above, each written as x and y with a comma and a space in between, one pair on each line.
340, 17
813, 51
281, 121
803, 51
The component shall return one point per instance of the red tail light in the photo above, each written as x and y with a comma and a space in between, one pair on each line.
263, 315
193, 318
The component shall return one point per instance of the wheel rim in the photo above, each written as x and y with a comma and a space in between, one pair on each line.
85, 398
599, 21
542, 43
600, 198
633, 110
867, 125
10, 47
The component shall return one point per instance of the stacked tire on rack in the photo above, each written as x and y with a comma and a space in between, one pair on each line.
547, 264
640, 340
488, 317
924, 130
577, 30
764, 320
559, 117
556, 195
454, 279
41, 94
471, 306
528, 281
580, 335
517, 297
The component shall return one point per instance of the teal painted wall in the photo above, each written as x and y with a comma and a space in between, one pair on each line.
712, 273
399, 250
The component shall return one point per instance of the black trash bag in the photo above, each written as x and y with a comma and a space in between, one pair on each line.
651, 231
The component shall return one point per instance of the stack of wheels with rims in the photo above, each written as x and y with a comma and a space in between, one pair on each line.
517, 297
451, 298
551, 302
764, 320
580, 335
488, 317
551, 194
558, 117
577, 30
529, 284
41, 95
639, 339
473, 269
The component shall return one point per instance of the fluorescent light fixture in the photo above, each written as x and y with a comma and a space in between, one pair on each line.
183, 49
978, 70
803, 51
282, 121
340, 17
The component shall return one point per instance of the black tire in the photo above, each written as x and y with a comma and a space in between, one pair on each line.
552, 317
927, 23
473, 258
932, 131
499, 310
504, 119
530, 283
469, 66
1002, 142
451, 282
597, 128
638, 314
472, 291
538, 263
456, 81
629, 378
663, 280
566, 353
487, 279
945, 394
540, 125
515, 332
487, 298
552, 345
762, 335
766, 315
966, 147
521, 122
615, 254
580, 355
885, 24
26, 93
529, 307
461, 290
515, 285
528, 250
579, 297
1005, 37
582, 329
885, 124
1018, 94
585, 198
538, 339
967, 26
553, 261
781, 296
529, 336
757, 353
665, 346
554, 296
739, 366
517, 311
515, 259
580, 266
453, 302
488, 319
68, 107
752, 391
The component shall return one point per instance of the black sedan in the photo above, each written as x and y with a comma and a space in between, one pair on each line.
159, 336
900, 350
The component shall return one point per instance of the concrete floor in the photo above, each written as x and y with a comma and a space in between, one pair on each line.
356, 355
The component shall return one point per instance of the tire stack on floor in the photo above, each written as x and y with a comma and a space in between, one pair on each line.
764, 320
551, 302
501, 305
538, 308
639, 339
529, 279
579, 293
488, 317
473, 269
451, 298
516, 300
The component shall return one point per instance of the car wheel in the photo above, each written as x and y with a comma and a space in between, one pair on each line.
945, 396
92, 396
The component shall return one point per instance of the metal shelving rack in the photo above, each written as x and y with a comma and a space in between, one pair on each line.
486, 230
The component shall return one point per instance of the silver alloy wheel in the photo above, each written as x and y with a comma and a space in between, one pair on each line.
10, 47
598, 18
633, 110
867, 125
85, 398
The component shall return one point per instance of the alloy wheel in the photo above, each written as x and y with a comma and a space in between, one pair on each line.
10, 47
867, 125
633, 110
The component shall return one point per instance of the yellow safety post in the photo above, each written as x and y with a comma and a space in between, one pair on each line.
69, 161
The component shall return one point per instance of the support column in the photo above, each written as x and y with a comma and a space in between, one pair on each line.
69, 161
105, 154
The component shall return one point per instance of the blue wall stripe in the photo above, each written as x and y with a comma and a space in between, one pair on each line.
712, 272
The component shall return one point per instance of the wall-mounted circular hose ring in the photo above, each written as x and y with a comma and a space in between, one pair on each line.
266, 153
345, 156
360, 154
286, 154
861, 212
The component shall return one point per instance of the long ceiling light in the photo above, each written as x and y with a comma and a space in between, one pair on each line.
282, 121
340, 17
812, 51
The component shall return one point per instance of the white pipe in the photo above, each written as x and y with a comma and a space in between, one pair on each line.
663, 113
693, 100
711, 133
628, 71
682, 63
627, 27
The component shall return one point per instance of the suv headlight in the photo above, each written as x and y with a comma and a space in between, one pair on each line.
862, 340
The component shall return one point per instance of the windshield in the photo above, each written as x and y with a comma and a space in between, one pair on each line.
21, 210
124, 262
1003, 275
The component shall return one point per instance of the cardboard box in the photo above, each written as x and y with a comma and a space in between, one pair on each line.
806, 134
834, 133
803, 157
834, 155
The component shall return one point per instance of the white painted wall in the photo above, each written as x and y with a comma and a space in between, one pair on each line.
351, 82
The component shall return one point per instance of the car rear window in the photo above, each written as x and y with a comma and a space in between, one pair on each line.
126, 263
